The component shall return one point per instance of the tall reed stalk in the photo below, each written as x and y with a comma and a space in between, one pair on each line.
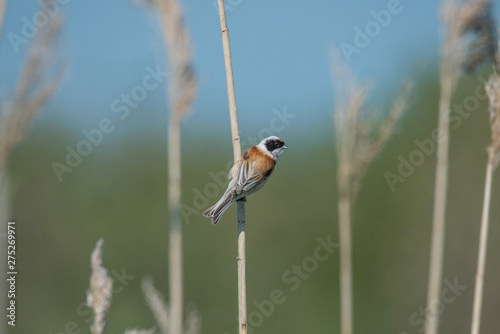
242, 285
358, 142
456, 54
493, 91
181, 91
38, 80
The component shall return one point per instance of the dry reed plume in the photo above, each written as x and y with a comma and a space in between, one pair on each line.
358, 142
100, 291
157, 305
160, 310
182, 88
493, 91
469, 32
193, 321
140, 331
38, 80
182, 82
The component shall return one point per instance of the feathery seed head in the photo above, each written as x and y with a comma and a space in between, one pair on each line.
100, 291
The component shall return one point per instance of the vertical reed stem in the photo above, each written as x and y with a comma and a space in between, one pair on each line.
175, 236
448, 79
181, 94
242, 290
439, 214
346, 305
483, 242
242, 280
231, 97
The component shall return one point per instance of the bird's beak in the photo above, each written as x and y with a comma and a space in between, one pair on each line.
286, 147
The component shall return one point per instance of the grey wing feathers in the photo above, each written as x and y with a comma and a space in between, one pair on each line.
246, 179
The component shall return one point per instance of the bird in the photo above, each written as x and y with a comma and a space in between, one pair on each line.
248, 175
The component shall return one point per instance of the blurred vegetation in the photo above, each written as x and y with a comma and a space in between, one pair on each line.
119, 193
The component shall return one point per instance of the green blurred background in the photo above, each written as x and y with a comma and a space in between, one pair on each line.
119, 191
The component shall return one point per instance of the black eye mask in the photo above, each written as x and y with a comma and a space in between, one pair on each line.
274, 144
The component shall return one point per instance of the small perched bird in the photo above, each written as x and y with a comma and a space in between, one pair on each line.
249, 174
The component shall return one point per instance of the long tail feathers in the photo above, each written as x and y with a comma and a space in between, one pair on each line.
219, 208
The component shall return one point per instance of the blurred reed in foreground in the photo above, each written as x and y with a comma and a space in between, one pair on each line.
100, 293
182, 88
139, 331
458, 52
493, 91
358, 142
38, 80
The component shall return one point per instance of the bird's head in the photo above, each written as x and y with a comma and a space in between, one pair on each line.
273, 146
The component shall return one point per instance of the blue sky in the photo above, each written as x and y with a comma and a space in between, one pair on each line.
280, 54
